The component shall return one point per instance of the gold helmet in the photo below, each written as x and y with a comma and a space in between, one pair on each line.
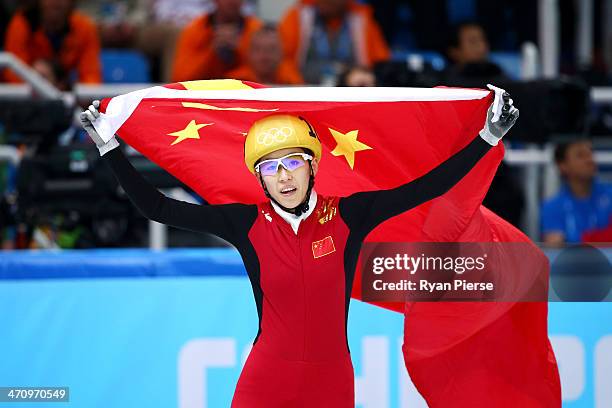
275, 132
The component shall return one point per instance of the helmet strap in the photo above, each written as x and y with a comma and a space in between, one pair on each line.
301, 208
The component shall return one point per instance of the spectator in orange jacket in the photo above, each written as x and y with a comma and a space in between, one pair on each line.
265, 61
55, 40
213, 44
323, 37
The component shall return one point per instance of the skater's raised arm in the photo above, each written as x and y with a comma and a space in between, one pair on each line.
228, 221
364, 211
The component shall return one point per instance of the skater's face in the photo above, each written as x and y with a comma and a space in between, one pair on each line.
287, 187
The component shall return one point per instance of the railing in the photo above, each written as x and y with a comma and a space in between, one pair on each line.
40, 85
549, 37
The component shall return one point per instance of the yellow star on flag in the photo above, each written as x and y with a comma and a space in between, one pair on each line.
347, 145
190, 132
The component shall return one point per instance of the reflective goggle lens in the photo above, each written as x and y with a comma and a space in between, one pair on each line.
290, 163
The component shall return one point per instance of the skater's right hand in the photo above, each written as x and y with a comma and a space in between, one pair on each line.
87, 118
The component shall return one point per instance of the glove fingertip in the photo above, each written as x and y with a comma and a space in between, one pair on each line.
94, 112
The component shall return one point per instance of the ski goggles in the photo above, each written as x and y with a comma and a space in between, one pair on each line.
290, 162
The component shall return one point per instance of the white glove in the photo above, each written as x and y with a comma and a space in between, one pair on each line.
87, 118
501, 116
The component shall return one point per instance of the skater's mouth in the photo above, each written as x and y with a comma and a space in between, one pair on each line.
288, 191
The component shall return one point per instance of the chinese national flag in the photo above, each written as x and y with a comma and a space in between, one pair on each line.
373, 138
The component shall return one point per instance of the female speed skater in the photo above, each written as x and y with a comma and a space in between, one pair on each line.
299, 248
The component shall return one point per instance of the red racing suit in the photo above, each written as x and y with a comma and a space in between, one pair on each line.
301, 282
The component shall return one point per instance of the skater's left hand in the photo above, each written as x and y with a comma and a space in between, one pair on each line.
501, 116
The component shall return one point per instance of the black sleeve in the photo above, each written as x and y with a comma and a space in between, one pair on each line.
229, 221
364, 211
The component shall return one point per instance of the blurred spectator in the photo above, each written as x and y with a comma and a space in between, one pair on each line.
179, 13
55, 40
583, 203
150, 26
357, 76
7, 9
323, 37
214, 43
265, 61
468, 51
158, 36
118, 20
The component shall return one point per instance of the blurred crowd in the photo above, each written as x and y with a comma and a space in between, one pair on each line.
317, 42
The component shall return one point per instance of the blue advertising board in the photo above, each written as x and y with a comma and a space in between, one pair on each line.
133, 328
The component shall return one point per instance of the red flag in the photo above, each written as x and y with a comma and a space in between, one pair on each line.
599, 234
482, 354
373, 138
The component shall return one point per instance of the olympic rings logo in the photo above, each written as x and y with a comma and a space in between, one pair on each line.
274, 135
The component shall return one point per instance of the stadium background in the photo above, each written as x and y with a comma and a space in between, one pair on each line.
90, 297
